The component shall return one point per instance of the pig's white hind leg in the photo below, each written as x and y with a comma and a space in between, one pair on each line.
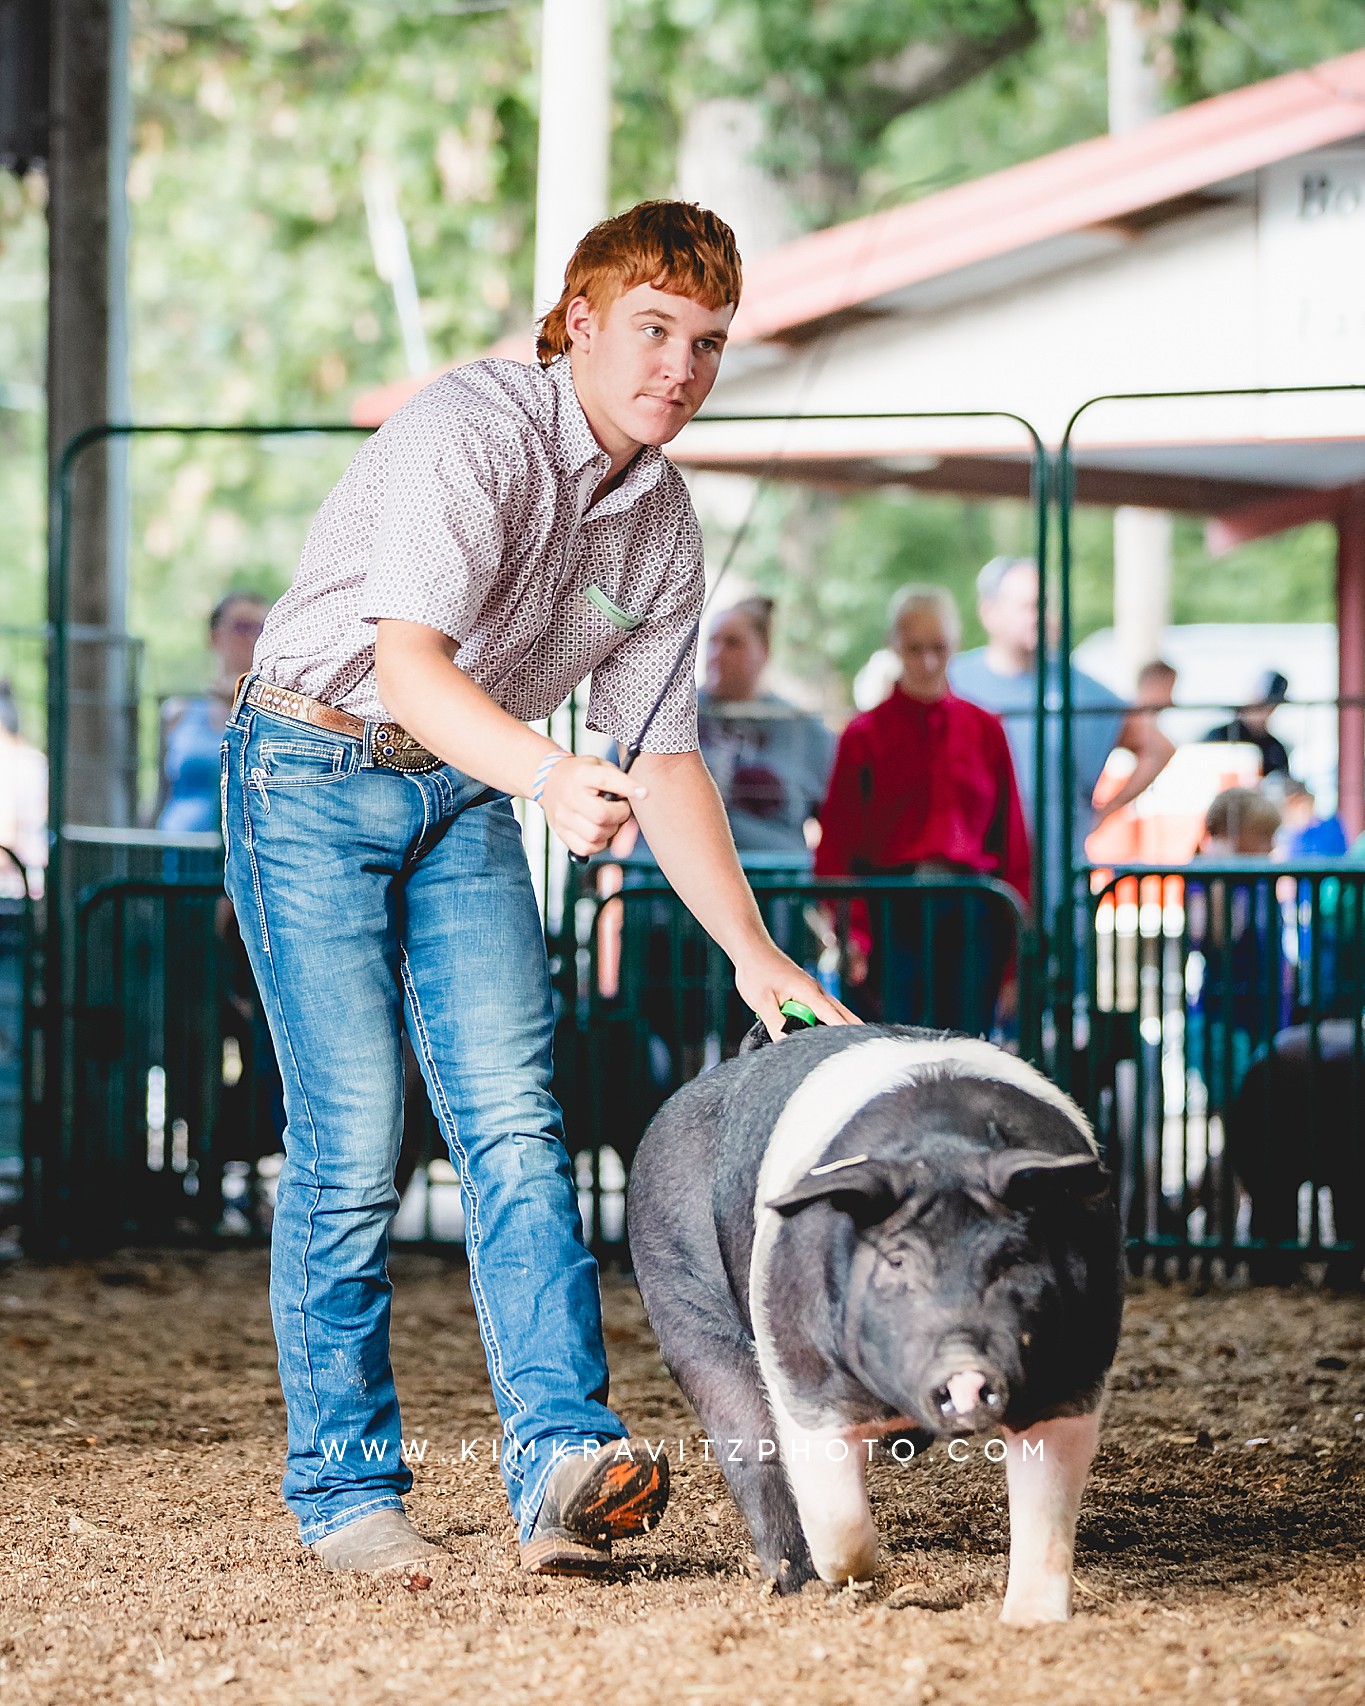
827, 1469
1045, 1469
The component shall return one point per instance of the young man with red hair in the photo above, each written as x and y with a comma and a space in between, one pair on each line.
507, 532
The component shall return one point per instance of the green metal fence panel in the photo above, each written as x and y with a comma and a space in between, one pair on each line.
176, 1130
1225, 1066
18, 936
1212, 1024
80, 858
174, 1135
1223, 1060
147, 1034
115, 937
656, 1002
1061, 998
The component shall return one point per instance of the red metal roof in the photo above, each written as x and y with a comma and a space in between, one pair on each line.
373, 408
1089, 184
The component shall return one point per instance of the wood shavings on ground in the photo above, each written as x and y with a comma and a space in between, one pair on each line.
146, 1557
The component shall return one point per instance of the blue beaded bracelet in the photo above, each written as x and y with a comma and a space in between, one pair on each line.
542, 775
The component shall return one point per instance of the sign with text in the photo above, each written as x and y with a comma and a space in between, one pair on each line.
1312, 269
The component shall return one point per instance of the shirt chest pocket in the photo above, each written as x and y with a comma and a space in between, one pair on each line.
625, 621
606, 624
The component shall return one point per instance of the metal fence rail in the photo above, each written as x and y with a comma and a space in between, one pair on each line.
1225, 1060
175, 1112
1218, 1042
655, 1001
18, 939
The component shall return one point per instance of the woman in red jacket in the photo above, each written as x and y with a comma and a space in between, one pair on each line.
923, 784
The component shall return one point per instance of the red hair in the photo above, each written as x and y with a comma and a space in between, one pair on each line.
674, 245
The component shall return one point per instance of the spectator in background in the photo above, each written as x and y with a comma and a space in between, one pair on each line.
192, 728
1252, 724
923, 784
1305, 835
1156, 686
1240, 996
1241, 823
1327, 927
770, 760
1121, 840
1001, 676
23, 804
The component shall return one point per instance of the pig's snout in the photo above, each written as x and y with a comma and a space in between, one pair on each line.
969, 1399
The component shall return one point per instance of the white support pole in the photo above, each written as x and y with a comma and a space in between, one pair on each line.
575, 135
1142, 537
1134, 78
1142, 585
571, 196
393, 258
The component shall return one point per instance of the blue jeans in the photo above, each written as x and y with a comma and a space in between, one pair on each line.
367, 900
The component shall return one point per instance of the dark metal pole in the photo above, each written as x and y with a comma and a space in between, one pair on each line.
87, 383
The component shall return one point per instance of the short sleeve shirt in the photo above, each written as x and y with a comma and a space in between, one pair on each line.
471, 511
1096, 725
771, 763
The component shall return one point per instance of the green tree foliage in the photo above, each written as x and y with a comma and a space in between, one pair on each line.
23, 287
829, 75
254, 293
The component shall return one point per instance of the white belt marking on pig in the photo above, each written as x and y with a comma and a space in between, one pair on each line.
823, 1105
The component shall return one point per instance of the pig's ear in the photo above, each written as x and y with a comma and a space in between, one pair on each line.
866, 1190
1024, 1175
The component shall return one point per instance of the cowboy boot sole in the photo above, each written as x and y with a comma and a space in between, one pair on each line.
562, 1554
623, 1496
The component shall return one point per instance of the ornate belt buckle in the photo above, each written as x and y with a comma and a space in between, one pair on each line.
393, 748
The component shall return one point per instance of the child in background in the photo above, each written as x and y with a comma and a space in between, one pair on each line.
1238, 995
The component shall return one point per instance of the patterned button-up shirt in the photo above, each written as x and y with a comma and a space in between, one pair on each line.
468, 511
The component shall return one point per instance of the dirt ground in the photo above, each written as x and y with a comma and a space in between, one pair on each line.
147, 1556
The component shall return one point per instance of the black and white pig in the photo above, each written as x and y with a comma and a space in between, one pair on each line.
873, 1229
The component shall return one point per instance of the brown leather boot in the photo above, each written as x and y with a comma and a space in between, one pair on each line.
591, 1501
383, 1540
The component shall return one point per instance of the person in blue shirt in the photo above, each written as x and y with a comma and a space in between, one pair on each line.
192, 728
1309, 836
1001, 676
1328, 928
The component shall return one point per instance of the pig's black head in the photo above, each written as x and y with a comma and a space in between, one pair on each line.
970, 1279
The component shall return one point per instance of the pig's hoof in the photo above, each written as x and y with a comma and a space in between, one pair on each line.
1030, 1611
853, 1566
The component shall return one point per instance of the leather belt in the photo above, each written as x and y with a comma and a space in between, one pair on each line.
389, 747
